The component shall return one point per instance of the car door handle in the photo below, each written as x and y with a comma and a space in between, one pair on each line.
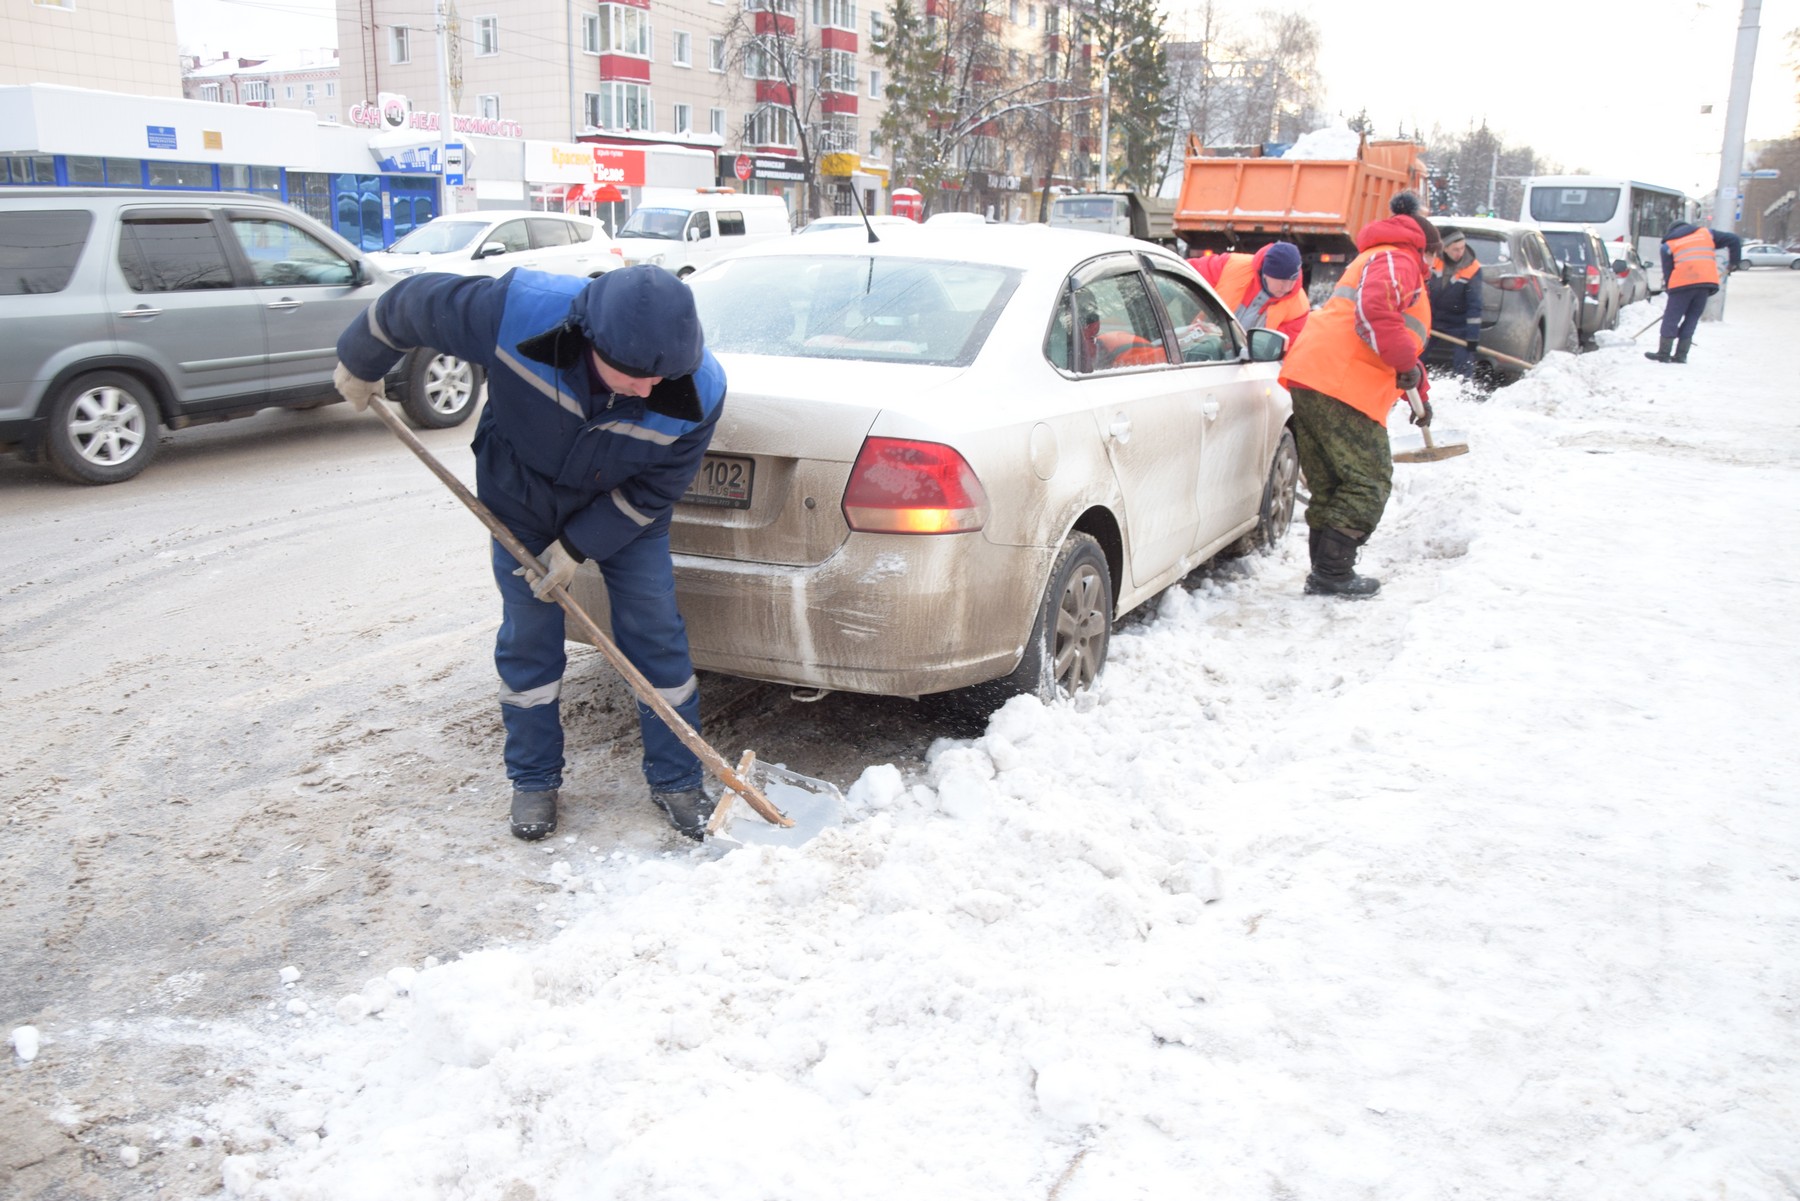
1210, 408
284, 304
1120, 429
141, 312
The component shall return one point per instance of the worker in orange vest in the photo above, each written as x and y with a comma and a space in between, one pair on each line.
1262, 290
1455, 289
1690, 266
1355, 358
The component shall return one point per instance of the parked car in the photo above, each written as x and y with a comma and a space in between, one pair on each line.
969, 219
683, 229
1580, 248
1526, 307
1633, 275
127, 311
880, 221
954, 461
1763, 254
494, 241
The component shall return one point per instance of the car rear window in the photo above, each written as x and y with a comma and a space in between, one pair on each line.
1489, 248
1586, 206
1570, 247
864, 307
38, 250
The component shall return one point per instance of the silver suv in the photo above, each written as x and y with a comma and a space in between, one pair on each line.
125, 311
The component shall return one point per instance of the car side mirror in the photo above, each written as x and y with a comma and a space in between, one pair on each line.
1267, 346
693, 233
489, 250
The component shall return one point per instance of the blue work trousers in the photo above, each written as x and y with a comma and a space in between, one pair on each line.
529, 655
1681, 310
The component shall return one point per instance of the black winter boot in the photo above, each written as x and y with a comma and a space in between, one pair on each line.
687, 810
1681, 349
1333, 563
1662, 352
534, 814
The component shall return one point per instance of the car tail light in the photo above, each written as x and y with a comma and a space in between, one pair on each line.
898, 486
1512, 283
1593, 282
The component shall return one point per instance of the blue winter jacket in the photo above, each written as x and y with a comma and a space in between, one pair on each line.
557, 455
1721, 241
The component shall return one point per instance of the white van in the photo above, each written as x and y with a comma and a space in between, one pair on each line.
684, 229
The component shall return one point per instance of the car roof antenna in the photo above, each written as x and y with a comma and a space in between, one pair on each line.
863, 213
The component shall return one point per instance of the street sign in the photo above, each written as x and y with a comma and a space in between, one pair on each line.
1761, 173
453, 164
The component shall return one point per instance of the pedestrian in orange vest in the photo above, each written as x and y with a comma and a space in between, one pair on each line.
1355, 358
1263, 290
1690, 274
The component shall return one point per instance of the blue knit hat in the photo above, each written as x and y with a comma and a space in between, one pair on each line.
641, 321
1282, 261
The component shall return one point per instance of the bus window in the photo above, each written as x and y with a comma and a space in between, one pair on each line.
1583, 206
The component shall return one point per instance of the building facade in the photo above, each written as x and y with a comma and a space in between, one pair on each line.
306, 79
114, 45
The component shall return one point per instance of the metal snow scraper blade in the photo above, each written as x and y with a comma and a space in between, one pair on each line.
710, 758
809, 806
1431, 450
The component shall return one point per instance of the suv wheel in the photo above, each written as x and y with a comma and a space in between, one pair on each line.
440, 390
103, 428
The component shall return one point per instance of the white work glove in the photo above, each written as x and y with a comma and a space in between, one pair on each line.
359, 392
558, 569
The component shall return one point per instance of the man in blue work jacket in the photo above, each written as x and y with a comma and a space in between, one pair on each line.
602, 398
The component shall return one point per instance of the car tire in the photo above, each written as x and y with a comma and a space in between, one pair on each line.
1276, 513
1794, 266
440, 390
1069, 639
103, 428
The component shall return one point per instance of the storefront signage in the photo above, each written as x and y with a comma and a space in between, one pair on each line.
992, 182
741, 168
160, 137
393, 115
840, 164
764, 166
584, 163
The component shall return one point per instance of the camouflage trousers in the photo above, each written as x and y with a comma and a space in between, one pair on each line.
1346, 460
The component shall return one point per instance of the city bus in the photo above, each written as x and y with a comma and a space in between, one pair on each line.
1619, 209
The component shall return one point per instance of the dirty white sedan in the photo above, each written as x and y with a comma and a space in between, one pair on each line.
954, 457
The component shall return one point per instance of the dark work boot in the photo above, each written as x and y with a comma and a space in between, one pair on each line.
533, 814
687, 810
1681, 349
1662, 352
1333, 563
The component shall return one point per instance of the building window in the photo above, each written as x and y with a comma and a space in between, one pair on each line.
838, 134
874, 143
1052, 19
715, 121
786, 8
487, 35
209, 91
290, 91
488, 106
878, 30
684, 118
624, 30
838, 14
771, 125
874, 84
838, 72
772, 58
715, 54
311, 95
27, 168
683, 55
182, 175
254, 91
67, 6
1031, 16
1012, 11
330, 88
590, 34
619, 105
399, 44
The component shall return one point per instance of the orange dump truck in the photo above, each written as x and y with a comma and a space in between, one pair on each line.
1242, 204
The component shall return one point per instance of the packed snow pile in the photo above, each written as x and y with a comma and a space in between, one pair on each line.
1339, 143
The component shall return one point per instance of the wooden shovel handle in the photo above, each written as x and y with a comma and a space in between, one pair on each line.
645, 691
1484, 349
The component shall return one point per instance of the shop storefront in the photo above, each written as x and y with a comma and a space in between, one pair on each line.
767, 175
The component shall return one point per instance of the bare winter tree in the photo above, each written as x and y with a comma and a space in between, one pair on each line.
767, 47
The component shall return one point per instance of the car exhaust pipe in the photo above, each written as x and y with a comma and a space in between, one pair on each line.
808, 696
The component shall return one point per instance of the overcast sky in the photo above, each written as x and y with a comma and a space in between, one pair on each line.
1610, 86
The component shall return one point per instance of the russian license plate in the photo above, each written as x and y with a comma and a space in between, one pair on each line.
724, 480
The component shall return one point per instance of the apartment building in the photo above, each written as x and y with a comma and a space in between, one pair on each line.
782, 93
113, 45
306, 79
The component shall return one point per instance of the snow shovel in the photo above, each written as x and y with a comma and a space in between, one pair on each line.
1488, 350
1432, 451
818, 803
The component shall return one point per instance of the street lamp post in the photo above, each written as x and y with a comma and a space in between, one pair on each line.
1106, 110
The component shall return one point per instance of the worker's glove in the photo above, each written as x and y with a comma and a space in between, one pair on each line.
1422, 416
1409, 378
558, 568
359, 392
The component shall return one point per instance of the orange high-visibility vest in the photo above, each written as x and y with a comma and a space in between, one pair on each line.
1470, 265
1694, 261
1238, 286
1332, 357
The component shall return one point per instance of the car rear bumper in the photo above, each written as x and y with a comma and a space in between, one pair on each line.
894, 615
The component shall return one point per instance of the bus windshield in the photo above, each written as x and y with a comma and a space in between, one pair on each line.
1582, 206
